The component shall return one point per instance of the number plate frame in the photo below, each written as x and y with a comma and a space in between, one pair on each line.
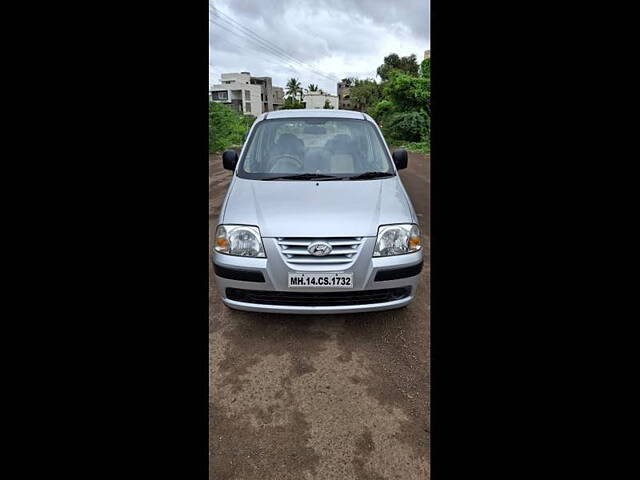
320, 280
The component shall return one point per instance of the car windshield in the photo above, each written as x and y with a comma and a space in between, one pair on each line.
315, 149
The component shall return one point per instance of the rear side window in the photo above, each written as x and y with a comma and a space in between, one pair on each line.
334, 146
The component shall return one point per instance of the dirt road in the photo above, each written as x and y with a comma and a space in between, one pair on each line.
320, 397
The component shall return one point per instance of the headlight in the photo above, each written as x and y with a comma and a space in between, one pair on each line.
239, 240
397, 240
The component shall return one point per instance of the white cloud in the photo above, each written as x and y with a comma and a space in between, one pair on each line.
338, 39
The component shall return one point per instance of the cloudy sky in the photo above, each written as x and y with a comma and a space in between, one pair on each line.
316, 41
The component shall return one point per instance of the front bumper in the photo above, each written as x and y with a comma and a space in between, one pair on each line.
274, 271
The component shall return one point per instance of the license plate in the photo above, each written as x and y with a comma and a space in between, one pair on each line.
321, 280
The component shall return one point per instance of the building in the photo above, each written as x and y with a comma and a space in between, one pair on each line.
427, 54
343, 95
278, 98
317, 100
246, 94
236, 90
272, 98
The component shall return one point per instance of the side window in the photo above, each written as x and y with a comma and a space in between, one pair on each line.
247, 107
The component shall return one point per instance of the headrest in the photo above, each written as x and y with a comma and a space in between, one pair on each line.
289, 139
289, 143
341, 143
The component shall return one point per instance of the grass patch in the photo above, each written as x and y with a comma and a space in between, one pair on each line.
418, 147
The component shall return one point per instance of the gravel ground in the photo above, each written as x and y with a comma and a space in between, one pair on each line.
320, 397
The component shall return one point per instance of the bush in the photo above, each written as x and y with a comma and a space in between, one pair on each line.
408, 127
381, 111
226, 127
408, 93
291, 103
327, 105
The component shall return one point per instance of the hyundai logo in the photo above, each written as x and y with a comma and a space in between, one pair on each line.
319, 249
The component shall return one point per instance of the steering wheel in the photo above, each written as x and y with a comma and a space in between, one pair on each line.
285, 162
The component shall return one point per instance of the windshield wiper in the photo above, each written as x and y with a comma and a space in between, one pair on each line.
305, 176
366, 175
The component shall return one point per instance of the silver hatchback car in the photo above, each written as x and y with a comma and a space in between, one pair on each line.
316, 219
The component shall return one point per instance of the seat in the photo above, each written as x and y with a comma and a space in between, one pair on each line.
342, 154
287, 144
317, 161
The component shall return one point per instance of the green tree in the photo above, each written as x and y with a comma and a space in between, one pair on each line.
407, 92
312, 88
292, 103
381, 111
349, 81
425, 68
401, 103
425, 72
408, 65
365, 93
327, 105
294, 88
409, 116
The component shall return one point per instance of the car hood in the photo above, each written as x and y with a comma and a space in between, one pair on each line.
317, 209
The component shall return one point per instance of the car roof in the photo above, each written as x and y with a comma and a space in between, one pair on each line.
313, 113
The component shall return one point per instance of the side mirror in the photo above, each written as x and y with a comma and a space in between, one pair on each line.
400, 158
229, 159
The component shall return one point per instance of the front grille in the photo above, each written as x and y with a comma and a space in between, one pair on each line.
344, 250
321, 299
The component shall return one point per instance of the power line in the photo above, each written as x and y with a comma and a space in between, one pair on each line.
234, 24
261, 46
266, 44
257, 48
251, 47
263, 49
272, 47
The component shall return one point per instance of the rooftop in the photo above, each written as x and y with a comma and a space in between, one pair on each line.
320, 93
304, 113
